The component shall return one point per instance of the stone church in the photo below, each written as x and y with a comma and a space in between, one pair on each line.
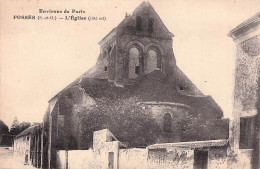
136, 59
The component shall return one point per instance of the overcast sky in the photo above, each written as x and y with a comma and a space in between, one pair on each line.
40, 57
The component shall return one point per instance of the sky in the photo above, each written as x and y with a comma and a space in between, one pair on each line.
38, 58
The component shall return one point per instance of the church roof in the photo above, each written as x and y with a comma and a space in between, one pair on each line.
151, 87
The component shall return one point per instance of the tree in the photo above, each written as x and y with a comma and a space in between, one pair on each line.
15, 129
198, 128
23, 126
5, 139
125, 118
3, 128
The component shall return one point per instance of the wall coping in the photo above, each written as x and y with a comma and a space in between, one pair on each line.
248, 113
194, 144
246, 25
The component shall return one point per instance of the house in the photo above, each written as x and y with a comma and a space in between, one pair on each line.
244, 135
27, 146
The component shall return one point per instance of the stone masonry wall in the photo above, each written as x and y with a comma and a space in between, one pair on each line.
217, 157
247, 72
134, 158
174, 159
144, 43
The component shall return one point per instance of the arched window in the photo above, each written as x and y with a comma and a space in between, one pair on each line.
138, 23
150, 25
167, 123
151, 61
134, 66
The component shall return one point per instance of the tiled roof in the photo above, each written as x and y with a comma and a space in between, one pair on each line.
246, 22
29, 130
245, 26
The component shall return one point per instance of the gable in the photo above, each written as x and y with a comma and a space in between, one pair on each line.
144, 21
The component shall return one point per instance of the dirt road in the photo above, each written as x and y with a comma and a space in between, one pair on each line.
9, 161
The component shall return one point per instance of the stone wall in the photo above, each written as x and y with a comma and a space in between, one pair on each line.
151, 34
144, 44
245, 158
142, 158
75, 159
105, 144
177, 111
134, 158
217, 157
158, 109
27, 146
247, 72
73, 102
170, 158
61, 159
108, 153
22, 147
244, 128
108, 56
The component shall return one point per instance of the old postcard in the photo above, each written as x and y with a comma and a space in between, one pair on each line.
129, 84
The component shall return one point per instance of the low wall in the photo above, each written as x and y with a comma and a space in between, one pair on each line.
217, 157
61, 159
135, 158
170, 158
143, 158
75, 159
245, 158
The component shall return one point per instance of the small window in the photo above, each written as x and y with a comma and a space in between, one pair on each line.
105, 68
136, 69
150, 25
138, 23
181, 88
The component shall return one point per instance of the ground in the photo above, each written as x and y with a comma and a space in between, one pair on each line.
9, 161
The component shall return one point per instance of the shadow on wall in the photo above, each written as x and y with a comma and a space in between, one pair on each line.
256, 143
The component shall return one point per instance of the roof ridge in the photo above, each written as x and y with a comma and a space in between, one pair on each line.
26, 130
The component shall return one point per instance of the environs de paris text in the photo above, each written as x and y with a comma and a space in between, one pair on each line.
61, 11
